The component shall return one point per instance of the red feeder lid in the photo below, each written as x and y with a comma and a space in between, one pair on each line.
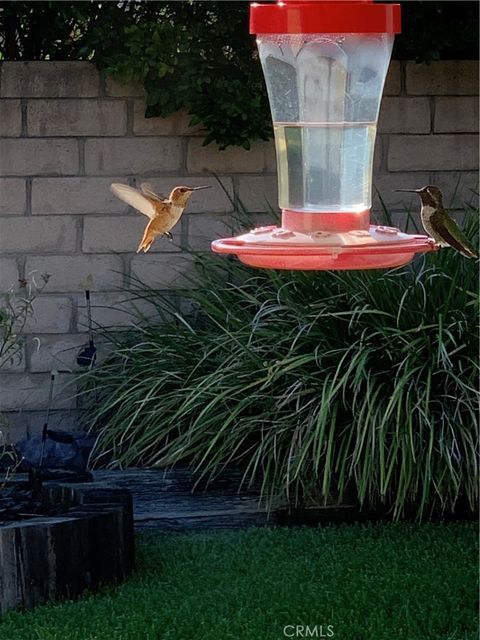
325, 16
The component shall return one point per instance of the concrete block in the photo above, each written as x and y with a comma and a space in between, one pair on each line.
37, 234
203, 228
393, 81
459, 188
175, 124
443, 78
162, 271
75, 195
38, 157
70, 273
13, 428
270, 157
258, 193
240, 225
51, 314
116, 310
122, 234
59, 352
231, 159
10, 118
404, 115
8, 275
378, 153
385, 185
456, 115
30, 391
13, 196
129, 156
213, 200
117, 88
434, 152
48, 79
263, 220
23, 424
76, 117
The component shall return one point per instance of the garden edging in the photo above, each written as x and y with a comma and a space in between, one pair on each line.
91, 544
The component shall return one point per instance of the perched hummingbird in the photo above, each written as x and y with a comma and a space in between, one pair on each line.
164, 213
438, 223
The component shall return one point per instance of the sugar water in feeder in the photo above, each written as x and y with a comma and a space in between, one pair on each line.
325, 64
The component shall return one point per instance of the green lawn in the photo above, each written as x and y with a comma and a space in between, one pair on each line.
391, 581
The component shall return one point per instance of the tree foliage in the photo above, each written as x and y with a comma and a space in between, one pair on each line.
199, 56
438, 31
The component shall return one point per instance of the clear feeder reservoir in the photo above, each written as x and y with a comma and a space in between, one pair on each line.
325, 92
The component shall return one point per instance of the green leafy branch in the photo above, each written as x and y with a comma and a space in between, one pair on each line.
194, 55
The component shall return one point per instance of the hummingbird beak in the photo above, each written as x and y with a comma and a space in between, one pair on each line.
408, 190
198, 188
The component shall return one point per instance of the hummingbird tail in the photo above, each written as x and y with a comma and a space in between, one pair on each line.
147, 239
462, 247
145, 245
469, 253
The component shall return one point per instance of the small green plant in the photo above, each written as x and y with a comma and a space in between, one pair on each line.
313, 382
16, 307
10, 461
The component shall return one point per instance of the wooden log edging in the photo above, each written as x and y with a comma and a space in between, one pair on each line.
89, 545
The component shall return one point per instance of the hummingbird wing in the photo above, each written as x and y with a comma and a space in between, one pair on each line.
147, 189
134, 198
447, 228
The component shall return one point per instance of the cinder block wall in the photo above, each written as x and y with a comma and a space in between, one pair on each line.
66, 133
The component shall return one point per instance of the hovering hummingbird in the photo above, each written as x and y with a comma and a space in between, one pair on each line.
439, 224
164, 213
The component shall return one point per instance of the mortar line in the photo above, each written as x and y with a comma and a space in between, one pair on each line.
183, 168
235, 190
74, 315
81, 156
80, 231
21, 261
126, 266
28, 192
102, 86
28, 353
385, 152
128, 270
129, 123
23, 111
432, 105
184, 232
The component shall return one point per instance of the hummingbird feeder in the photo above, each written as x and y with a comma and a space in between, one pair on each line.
325, 64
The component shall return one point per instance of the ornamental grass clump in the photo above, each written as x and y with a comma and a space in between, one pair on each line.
314, 382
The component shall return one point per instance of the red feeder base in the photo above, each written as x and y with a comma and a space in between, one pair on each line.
295, 247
